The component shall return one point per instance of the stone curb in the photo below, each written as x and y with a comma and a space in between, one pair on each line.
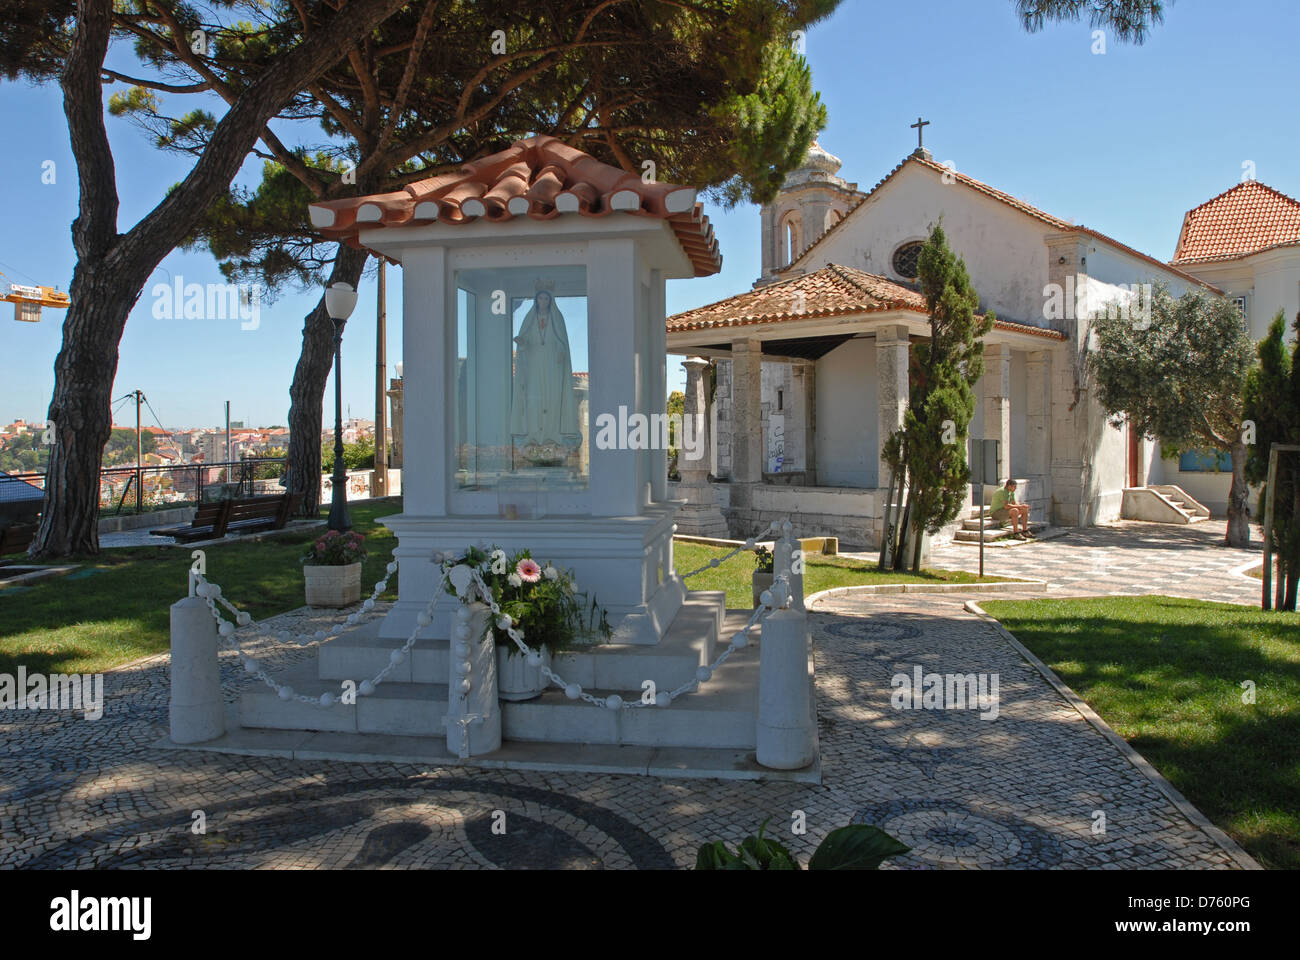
1242, 858
1001, 586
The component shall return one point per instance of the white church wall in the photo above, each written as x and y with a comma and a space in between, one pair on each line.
1003, 248
1277, 287
1110, 265
1109, 470
846, 415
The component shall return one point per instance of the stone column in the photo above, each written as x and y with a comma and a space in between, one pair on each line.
700, 517
1070, 433
746, 435
892, 389
1038, 426
747, 411
806, 375
997, 403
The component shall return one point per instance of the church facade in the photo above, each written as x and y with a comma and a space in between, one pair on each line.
811, 366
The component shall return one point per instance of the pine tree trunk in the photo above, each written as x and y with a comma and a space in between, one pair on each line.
307, 392
1238, 533
80, 411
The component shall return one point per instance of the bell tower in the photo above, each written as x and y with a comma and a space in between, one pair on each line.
812, 199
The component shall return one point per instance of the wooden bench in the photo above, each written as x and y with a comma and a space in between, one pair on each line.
209, 523
258, 513
17, 537
212, 521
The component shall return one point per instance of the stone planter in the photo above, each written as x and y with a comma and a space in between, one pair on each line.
332, 586
762, 581
516, 680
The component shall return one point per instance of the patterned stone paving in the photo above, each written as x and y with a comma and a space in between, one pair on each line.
1021, 791
1129, 557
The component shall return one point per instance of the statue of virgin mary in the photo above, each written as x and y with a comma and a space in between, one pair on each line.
544, 411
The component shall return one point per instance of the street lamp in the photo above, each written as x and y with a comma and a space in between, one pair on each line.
340, 299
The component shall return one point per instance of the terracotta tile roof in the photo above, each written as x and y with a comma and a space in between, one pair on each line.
1246, 219
833, 291
541, 178
1064, 226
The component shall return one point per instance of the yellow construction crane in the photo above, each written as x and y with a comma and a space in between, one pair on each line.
28, 300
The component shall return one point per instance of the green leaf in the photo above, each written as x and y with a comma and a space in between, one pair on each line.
714, 856
856, 847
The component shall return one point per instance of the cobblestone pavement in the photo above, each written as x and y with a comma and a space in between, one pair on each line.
1021, 791
1124, 558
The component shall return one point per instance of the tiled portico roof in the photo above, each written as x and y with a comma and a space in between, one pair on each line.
1246, 219
1056, 223
833, 291
541, 178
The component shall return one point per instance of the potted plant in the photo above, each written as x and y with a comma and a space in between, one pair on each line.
764, 572
544, 603
332, 569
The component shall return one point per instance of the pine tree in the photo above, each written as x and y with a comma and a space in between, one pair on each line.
928, 454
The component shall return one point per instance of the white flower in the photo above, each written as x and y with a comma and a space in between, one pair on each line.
550, 573
514, 580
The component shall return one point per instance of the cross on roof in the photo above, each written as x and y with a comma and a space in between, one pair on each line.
920, 132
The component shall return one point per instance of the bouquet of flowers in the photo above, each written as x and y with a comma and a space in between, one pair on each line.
543, 600
764, 560
336, 549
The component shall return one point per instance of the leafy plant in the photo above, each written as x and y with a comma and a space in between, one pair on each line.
855, 847
543, 600
764, 560
336, 549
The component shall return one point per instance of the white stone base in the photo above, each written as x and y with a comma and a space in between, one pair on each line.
624, 563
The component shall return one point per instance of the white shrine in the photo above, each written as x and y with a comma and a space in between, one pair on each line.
533, 292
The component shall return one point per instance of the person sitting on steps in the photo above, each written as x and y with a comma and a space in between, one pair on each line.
1004, 507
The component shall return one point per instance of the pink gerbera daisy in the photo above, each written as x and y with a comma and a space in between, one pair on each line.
528, 571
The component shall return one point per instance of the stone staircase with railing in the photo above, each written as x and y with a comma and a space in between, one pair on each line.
414, 699
1162, 503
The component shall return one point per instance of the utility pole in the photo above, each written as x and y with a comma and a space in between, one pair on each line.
381, 369
139, 446
227, 441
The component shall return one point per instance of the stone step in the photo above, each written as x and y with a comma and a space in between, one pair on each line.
405, 709
990, 534
720, 715
988, 524
686, 645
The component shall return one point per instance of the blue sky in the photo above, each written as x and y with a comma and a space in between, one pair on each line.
1124, 142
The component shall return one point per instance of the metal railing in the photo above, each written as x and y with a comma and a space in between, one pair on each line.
146, 488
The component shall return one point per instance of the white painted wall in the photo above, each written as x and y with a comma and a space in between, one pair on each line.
1019, 403
1002, 247
1269, 280
846, 415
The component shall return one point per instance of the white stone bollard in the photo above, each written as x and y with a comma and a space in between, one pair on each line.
197, 711
473, 716
785, 722
788, 556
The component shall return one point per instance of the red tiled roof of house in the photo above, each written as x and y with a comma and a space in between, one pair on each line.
541, 178
1246, 219
1056, 223
833, 291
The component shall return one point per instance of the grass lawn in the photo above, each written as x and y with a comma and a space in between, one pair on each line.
1166, 674
115, 607
821, 572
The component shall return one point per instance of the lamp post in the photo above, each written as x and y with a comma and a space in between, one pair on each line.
340, 299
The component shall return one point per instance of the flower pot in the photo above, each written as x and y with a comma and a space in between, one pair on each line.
516, 680
762, 581
332, 586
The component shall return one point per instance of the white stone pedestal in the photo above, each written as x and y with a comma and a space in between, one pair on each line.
624, 563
